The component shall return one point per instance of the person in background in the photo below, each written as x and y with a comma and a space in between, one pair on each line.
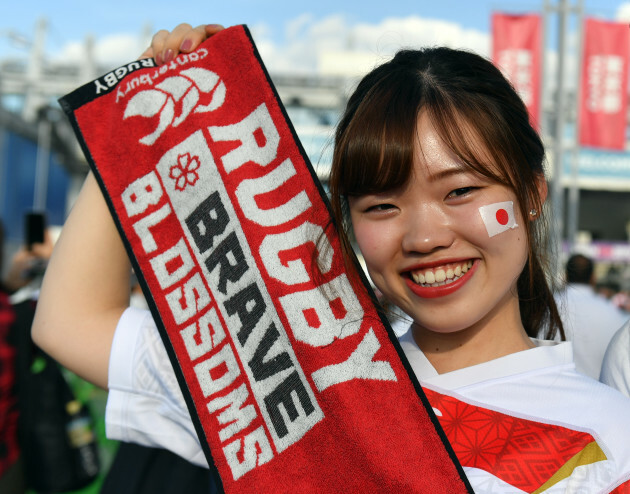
616, 365
590, 320
27, 267
11, 474
607, 288
622, 300
19, 288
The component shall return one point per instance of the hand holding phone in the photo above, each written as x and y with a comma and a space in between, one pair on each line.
34, 226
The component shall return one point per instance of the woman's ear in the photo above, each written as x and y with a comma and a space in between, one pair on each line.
538, 202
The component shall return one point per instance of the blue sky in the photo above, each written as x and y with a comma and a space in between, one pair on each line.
285, 29
74, 19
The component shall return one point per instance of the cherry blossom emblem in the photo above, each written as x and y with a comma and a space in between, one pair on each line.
185, 171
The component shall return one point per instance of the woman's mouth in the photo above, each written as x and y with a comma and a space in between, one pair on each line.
440, 276
440, 281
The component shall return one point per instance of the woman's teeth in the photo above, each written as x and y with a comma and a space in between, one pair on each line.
440, 276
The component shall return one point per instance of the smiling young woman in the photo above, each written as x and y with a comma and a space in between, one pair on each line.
448, 122
439, 174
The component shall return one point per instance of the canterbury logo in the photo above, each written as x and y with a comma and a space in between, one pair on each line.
183, 89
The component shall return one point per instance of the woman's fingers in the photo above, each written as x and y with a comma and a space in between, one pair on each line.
212, 29
170, 45
166, 45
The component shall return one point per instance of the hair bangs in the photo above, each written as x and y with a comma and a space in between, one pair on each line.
470, 133
378, 143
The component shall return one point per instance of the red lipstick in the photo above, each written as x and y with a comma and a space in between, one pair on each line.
442, 290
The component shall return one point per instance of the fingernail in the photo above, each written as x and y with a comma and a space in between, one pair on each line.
158, 59
168, 56
186, 45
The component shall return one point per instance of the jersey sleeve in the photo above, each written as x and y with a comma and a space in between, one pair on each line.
145, 404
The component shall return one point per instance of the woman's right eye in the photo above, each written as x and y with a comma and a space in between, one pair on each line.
379, 207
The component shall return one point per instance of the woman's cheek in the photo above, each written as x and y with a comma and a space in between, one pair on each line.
471, 223
373, 237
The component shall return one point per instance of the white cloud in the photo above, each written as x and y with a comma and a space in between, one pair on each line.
108, 51
72, 52
623, 12
118, 49
305, 41
395, 33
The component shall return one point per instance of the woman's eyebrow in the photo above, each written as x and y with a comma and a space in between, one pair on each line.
452, 169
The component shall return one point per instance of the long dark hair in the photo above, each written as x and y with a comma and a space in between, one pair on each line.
468, 101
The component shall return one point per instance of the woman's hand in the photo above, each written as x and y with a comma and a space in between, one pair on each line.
165, 45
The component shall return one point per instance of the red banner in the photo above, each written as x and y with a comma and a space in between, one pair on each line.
604, 84
516, 50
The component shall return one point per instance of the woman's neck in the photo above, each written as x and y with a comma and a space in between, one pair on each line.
481, 343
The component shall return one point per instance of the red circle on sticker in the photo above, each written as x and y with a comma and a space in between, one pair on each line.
502, 217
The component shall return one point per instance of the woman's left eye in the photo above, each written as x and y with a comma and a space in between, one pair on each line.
462, 191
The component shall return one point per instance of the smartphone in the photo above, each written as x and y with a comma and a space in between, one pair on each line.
34, 226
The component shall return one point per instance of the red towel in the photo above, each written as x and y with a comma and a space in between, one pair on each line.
294, 379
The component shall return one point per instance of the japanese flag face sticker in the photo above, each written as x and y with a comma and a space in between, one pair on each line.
498, 217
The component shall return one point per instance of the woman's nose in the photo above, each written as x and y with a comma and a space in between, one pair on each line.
427, 229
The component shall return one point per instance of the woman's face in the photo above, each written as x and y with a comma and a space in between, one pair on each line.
430, 251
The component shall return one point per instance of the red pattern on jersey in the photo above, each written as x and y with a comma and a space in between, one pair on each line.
521, 452
622, 489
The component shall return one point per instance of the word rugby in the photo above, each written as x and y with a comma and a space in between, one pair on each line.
288, 370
